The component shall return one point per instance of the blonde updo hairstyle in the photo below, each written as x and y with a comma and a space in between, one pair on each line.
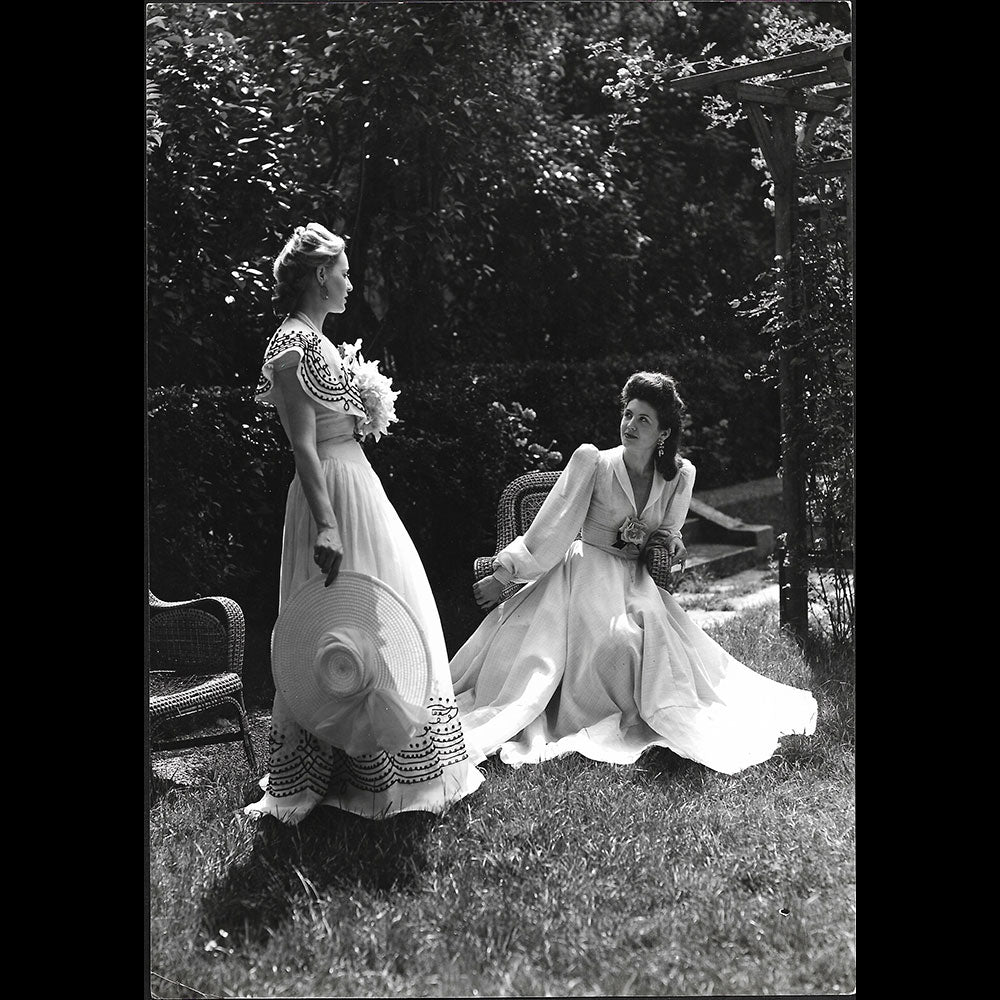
309, 247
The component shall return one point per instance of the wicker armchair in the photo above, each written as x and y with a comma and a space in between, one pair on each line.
520, 502
196, 665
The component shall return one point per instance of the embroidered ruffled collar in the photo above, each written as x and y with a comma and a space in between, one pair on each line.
308, 322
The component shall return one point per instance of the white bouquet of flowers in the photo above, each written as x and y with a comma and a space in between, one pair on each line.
376, 392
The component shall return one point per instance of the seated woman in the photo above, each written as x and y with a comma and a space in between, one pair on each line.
591, 656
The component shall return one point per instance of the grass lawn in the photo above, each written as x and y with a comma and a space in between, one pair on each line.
569, 878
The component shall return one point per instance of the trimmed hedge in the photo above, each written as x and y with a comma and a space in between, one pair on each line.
219, 467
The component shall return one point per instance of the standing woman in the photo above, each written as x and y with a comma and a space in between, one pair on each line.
338, 519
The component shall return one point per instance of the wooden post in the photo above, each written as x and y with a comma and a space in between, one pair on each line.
854, 426
793, 471
850, 215
777, 142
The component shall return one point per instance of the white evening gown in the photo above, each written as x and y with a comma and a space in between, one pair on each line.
591, 656
436, 770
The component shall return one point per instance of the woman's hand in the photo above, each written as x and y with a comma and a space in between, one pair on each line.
674, 544
487, 592
329, 552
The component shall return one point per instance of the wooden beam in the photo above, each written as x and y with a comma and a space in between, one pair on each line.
830, 168
765, 140
802, 80
812, 59
805, 134
774, 95
840, 66
844, 90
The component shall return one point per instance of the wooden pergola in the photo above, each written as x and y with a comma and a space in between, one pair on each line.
818, 83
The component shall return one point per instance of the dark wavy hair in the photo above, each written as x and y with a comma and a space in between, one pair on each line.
660, 392
307, 248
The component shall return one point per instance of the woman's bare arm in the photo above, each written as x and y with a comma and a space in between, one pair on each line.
329, 550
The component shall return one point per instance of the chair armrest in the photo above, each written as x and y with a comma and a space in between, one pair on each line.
225, 610
482, 567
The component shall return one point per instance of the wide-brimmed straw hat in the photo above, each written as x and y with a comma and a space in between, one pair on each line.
352, 664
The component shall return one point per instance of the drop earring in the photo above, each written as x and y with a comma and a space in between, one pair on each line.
323, 291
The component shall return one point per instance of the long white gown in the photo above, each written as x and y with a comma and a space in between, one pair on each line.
435, 771
591, 656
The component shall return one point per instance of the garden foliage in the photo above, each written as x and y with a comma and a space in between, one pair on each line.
510, 245
462, 148
802, 308
220, 466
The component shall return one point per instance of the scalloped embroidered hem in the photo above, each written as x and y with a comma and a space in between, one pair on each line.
455, 782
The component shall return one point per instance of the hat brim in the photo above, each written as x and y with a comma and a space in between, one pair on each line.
352, 601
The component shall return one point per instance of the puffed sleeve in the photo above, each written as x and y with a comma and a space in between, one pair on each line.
680, 502
556, 524
323, 377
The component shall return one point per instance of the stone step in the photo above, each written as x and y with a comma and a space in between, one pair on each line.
720, 557
711, 526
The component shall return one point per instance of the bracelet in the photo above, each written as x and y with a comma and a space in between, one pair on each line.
320, 526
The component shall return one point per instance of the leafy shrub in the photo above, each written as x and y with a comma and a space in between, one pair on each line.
803, 307
808, 309
218, 473
219, 469
732, 428
219, 465
211, 454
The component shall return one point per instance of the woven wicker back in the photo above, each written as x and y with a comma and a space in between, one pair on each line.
188, 641
520, 502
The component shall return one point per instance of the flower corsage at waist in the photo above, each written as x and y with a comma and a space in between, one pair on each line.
631, 535
376, 392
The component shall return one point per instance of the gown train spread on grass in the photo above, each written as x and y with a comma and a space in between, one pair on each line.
591, 656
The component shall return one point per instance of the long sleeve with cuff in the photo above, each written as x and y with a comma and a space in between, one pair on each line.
556, 524
680, 503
